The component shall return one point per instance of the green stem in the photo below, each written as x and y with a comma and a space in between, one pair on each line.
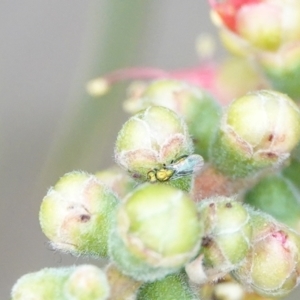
81, 141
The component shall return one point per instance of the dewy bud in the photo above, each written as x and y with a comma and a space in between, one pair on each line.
226, 241
197, 107
76, 214
151, 139
258, 130
272, 266
156, 232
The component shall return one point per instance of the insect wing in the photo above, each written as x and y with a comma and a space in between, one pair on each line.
186, 166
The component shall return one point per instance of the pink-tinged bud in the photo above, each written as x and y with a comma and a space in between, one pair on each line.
226, 240
257, 131
265, 32
116, 179
228, 10
156, 232
151, 140
76, 214
272, 266
277, 23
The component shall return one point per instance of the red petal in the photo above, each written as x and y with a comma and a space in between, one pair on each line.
227, 10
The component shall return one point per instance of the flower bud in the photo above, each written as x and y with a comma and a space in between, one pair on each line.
258, 130
116, 179
84, 282
227, 232
197, 107
172, 287
44, 284
276, 22
156, 232
272, 266
150, 140
76, 214
277, 196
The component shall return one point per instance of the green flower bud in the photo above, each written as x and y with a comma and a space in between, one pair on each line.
272, 266
196, 106
172, 287
277, 196
44, 284
151, 140
156, 232
76, 214
86, 282
116, 179
257, 131
226, 241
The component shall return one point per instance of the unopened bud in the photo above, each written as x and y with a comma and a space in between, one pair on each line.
76, 214
156, 232
151, 140
197, 107
226, 240
85, 282
272, 266
258, 130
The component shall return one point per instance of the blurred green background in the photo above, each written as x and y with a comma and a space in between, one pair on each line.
48, 124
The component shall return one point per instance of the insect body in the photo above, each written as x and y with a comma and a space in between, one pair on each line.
183, 166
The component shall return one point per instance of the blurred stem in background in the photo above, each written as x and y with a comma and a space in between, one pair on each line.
85, 136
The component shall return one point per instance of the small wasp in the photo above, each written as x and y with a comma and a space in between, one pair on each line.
182, 166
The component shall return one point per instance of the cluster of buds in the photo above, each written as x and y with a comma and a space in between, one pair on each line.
203, 202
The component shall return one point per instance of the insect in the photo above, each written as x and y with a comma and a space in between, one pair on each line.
182, 166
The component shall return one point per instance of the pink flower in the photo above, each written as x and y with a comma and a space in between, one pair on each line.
229, 9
